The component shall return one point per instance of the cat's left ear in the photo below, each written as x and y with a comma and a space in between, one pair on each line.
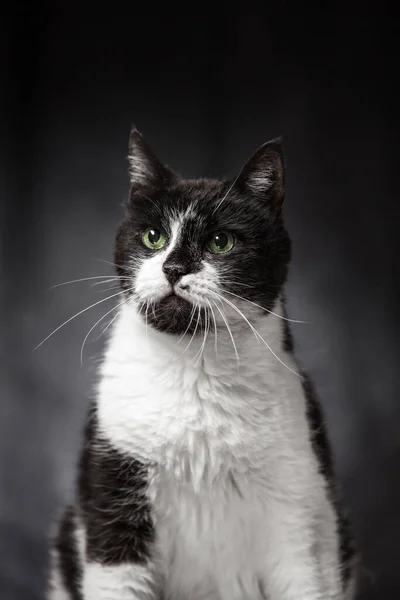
263, 175
144, 167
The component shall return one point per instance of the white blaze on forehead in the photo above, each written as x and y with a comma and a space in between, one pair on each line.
190, 212
175, 234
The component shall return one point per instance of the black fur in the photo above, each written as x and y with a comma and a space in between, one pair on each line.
67, 554
287, 344
111, 484
323, 452
112, 507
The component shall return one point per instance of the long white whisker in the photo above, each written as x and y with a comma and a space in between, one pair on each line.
208, 318
229, 331
257, 334
187, 328
215, 327
94, 326
150, 200
86, 279
201, 349
153, 310
237, 283
228, 192
221, 298
266, 309
77, 315
195, 329
108, 325
147, 315
111, 280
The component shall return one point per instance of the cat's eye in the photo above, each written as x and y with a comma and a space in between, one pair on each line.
221, 242
154, 239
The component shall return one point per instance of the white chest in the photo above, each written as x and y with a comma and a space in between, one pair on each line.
226, 447
157, 401
212, 545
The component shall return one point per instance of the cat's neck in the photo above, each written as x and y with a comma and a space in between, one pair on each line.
253, 346
166, 388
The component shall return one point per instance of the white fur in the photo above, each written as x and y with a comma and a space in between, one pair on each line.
240, 509
57, 590
122, 582
237, 493
56, 587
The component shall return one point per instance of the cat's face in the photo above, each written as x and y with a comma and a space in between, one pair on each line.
188, 246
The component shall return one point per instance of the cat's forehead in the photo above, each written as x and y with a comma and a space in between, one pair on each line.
190, 200
193, 195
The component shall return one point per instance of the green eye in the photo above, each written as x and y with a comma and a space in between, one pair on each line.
154, 239
221, 242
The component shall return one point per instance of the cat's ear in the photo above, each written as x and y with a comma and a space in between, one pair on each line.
263, 175
144, 167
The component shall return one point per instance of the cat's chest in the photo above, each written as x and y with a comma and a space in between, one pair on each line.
211, 542
185, 417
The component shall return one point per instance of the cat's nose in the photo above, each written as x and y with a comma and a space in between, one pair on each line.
174, 271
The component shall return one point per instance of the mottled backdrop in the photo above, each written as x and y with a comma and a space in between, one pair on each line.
206, 84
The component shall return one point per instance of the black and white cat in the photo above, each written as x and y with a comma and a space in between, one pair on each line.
205, 473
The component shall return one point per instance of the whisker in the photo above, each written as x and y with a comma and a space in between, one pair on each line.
208, 315
215, 328
76, 315
228, 192
229, 331
221, 298
84, 279
256, 333
146, 316
238, 283
152, 201
153, 310
94, 326
107, 326
256, 284
187, 328
201, 349
266, 309
111, 280
195, 329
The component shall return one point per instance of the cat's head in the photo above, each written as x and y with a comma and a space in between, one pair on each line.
187, 248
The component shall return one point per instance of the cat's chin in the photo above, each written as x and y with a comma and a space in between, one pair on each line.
175, 315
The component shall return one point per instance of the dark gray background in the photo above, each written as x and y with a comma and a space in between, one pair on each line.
206, 84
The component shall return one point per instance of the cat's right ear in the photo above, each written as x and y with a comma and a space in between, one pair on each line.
263, 175
145, 170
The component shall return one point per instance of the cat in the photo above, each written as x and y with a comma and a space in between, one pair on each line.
206, 472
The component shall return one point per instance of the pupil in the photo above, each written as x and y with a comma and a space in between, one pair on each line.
154, 236
221, 240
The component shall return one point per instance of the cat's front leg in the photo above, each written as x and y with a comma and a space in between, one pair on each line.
119, 582
118, 562
116, 518
292, 569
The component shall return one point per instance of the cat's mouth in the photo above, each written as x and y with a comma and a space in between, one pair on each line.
176, 315
173, 301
